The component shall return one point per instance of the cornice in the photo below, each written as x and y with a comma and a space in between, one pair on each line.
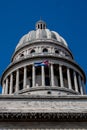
46, 97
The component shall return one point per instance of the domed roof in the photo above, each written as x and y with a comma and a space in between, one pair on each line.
41, 33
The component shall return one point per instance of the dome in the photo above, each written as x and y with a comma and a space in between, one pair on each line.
43, 65
41, 33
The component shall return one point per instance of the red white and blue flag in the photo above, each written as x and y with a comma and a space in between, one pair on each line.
43, 63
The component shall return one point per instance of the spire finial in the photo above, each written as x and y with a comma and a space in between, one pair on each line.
40, 18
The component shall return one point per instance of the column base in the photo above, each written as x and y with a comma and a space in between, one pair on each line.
46, 90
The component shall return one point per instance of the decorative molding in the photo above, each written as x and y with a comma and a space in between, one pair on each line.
48, 88
43, 117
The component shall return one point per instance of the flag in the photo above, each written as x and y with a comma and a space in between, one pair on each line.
43, 63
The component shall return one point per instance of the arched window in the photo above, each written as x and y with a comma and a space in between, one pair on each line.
66, 55
21, 55
45, 50
32, 51
57, 51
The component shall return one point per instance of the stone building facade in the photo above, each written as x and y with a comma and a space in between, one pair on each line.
43, 87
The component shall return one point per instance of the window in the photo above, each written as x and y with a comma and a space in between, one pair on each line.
32, 51
45, 50
21, 55
66, 55
56, 51
41, 26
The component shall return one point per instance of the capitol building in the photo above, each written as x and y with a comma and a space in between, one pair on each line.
43, 88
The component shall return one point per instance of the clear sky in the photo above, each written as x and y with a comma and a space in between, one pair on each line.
67, 17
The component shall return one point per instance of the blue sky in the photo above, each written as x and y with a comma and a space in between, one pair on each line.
67, 17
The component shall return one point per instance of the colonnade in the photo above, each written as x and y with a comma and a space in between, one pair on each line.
77, 79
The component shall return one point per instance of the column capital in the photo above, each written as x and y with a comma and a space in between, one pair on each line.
68, 67
60, 64
25, 66
51, 63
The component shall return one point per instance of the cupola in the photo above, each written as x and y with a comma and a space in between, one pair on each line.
40, 25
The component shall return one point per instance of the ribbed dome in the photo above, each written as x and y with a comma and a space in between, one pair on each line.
41, 33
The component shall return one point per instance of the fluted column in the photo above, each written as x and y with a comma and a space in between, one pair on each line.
6, 90
3, 89
43, 75
11, 83
33, 75
80, 84
61, 76
25, 77
17, 80
69, 78
75, 81
52, 75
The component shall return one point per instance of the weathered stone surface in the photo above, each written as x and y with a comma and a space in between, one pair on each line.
47, 104
43, 126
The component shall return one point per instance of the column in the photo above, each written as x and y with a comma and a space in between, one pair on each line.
43, 75
61, 76
52, 75
75, 81
6, 90
17, 80
80, 84
11, 83
3, 89
69, 78
33, 75
83, 87
25, 77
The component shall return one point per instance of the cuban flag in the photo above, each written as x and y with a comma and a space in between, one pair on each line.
43, 63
